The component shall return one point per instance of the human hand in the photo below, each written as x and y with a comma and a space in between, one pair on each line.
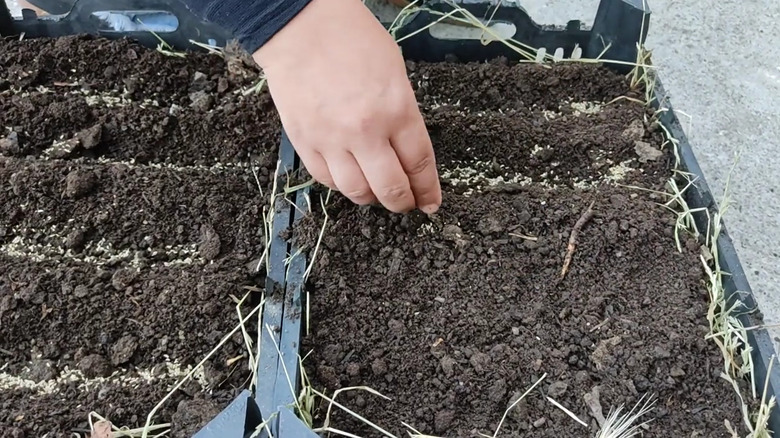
339, 83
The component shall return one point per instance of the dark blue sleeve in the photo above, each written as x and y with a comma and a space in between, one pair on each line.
251, 22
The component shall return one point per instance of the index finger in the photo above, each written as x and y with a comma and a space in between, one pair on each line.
412, 145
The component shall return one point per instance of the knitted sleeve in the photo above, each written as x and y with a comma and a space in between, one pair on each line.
251, 22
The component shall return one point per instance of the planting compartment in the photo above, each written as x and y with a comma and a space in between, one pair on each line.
617, 22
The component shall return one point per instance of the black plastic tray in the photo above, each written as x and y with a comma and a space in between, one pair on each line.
621, 24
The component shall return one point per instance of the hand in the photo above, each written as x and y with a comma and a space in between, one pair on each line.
339, 83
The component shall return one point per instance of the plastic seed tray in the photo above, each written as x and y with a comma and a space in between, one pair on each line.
619, 25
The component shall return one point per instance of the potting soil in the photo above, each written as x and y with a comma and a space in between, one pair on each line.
132, 188
453, 317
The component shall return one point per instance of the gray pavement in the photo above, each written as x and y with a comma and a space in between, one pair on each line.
720, 61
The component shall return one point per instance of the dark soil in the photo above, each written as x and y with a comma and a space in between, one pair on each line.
454, 316
130, 218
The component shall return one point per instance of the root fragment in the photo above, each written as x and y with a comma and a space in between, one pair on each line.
575, 232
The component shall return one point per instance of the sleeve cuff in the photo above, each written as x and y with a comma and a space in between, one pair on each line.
252, 23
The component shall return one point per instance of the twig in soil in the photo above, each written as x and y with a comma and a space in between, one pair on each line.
524, 237
148, 427
575, 232
288, 189
567, 412
263, 427
515, 403
323, 203
214, 50
256, 89
600, 325
326, 425
622, 426
417, 433
306, 399
233, 360
592, 400
247, 340
100, 427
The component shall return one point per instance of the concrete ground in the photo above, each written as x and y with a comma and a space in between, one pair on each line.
720, 61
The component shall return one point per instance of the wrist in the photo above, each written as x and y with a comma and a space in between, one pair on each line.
319, 25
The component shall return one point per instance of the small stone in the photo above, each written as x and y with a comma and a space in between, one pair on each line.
192, 415
210, 244
676, 372
174, 110
516, 331
123, 278
441, 300
520, 411
332, 353
123, 349
540, 422
328, 377
452, 233
396, 326
40, 370
80, 291
353, 369
635, 131
222, 85
75, 239
557, 389
202, 101
489, 225
131, 85
646, 152
443, 420
79, 183
91, 137
199, 77
497, 391
109, 72
479, 361
447, 365
10, 145
94, 366
662, 352
379, 367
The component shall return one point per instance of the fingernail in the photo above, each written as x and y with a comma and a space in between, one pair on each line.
430, 209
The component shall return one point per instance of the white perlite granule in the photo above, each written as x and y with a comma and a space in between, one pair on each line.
171, 371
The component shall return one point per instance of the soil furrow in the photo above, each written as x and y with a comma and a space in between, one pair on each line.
126, 405
225, 128
134, 209
568, 147
467, 311
41, 303
105, 65
498, 86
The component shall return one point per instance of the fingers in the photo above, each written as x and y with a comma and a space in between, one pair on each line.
349, 179
386, 177
413, 147
317, 167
